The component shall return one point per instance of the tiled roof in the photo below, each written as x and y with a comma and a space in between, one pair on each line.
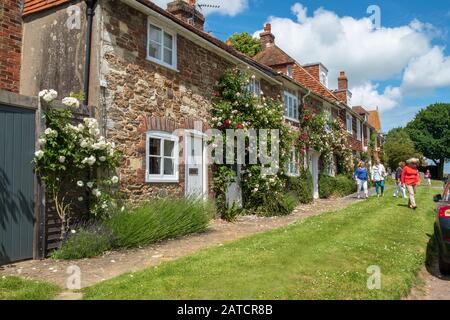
273, 55
32, 6
374, 120
360, 110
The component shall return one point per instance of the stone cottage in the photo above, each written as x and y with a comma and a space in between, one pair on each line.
150, 72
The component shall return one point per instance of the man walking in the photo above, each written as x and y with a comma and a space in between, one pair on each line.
378, 175
401, 190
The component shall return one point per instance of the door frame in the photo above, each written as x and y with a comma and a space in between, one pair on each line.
205, 176
314, 169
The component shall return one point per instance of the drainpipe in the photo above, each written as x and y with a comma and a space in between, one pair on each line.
90, 12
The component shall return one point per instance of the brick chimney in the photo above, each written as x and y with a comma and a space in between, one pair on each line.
186, 10
267, 37
10, 44
342, 81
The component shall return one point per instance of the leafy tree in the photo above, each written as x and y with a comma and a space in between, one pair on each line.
430, 132
398, 147
245, 43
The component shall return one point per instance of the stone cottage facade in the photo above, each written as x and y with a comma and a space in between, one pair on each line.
152, 75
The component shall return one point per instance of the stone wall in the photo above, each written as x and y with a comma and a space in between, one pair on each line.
142, 95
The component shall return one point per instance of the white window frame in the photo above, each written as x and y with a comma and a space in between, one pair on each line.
162, 178
254, 87
292, 116
358, 130
324, 78
161, 61
293, 162
349, 123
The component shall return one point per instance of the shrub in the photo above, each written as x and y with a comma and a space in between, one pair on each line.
344, 186
327, 186
302, 187
278, 205
159, 219
86, 243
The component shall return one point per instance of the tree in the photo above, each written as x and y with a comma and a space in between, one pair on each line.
245, 43
430, 132
399, 147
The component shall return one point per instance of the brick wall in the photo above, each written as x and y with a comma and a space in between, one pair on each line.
10, 44
142, 95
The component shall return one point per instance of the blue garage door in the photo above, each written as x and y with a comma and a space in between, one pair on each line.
17, 138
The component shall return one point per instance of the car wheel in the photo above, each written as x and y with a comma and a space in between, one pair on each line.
444, 267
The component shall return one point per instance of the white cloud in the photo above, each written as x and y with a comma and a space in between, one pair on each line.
368, 55
427, 72
368, 95
229, 7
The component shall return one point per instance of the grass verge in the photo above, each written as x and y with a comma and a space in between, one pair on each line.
14, 288
323, 257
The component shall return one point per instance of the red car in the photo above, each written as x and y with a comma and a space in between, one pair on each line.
442, 229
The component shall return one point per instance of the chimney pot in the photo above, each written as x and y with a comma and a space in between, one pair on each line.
268, 27
186, 10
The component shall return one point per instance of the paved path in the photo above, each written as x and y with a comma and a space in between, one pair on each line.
113, 264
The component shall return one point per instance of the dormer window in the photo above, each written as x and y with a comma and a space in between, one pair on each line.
289, 71
324, 78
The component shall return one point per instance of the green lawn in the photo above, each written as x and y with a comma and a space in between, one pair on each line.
13, 288
323, 257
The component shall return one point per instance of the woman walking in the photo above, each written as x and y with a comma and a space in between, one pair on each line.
378, 175
398, 178
362, 176
411, 178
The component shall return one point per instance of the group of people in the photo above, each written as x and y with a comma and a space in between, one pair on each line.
407, 179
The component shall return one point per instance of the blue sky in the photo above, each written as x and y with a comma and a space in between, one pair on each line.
400, 67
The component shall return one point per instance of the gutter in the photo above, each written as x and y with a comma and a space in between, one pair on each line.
90, 12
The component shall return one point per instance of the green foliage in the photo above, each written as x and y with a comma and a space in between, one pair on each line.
327, 185
344, 186
430, 132
85, 243
14, 288
302, 187
245, 43
399, 147
339, 186
237, 108
158, 220
277, 205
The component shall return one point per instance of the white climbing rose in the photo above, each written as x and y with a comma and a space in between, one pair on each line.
96, 193
39, 154
71, 102
102, 159
115, 179
48, 95
62, 159
80, 183
90, 185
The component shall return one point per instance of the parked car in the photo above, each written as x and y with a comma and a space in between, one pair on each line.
442, 229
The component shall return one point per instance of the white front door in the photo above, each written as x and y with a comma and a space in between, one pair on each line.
314, 168
196, 173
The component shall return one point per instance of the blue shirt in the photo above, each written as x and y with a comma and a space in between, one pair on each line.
362, 174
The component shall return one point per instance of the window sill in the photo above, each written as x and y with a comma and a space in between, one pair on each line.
292, 119
162, 64
162, 180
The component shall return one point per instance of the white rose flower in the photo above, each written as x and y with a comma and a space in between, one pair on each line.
42, 141
39, 154
90, 185
84, 144
80, 199
90, 161
73, 231
48, 95
96, 193
115, 179
62, 159
71, 102
102, 159
80, 183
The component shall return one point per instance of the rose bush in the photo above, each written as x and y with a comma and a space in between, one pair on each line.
68, 154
